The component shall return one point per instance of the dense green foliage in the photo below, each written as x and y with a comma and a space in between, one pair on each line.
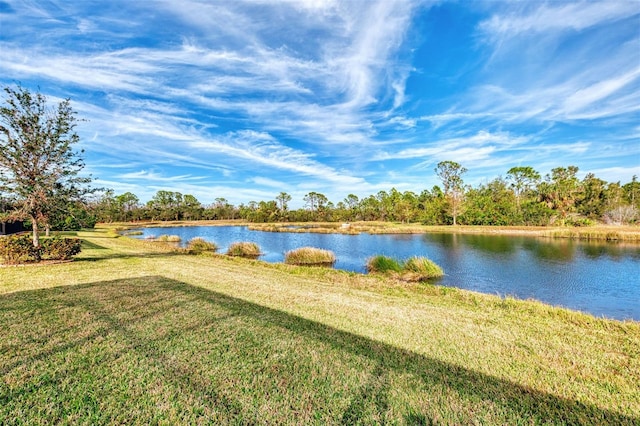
39, 170
522, 198
16, 249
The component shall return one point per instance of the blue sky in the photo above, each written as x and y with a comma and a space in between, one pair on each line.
245, 99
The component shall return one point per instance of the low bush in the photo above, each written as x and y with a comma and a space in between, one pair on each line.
310, 256
58, 248
200, 245
244, 249
421, 268
383, 264
19, 249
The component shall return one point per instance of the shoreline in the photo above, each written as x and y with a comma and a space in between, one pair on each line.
612, 233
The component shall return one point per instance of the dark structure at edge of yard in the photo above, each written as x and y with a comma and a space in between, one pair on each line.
8, 228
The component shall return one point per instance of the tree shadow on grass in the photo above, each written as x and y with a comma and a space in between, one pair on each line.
103, 253
201, 355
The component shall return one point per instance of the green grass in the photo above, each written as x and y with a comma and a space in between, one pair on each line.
309, 256
383, 264
138, 333
420, 269
413, 269
244, 249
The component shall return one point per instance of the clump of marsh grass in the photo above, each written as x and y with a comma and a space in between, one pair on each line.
169, 238
421, 269
244, 249
200, 245
414, 269
383, 264
310, 256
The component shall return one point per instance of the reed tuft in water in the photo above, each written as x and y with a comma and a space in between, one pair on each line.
420, 269
244, 249
169, 238
200, 245
310, 256
383, 264
414, 269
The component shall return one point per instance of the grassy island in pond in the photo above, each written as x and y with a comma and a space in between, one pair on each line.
135, 331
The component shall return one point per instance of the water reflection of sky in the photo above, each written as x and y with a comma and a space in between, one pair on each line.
600, 278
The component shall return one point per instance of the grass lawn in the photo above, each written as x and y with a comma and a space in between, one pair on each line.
134, 333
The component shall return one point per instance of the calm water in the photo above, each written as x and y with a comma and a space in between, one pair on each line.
600, 278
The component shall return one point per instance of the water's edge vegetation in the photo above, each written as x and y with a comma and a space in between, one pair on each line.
614, 233
136, 327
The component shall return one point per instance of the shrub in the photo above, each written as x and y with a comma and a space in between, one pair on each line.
310, 256
58, 248
199, 245
244, 249
421, 268
19, 249
383, 264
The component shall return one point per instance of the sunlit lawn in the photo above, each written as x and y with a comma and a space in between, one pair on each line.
134, 333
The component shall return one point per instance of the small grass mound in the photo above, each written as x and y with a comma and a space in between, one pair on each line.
415, 269
169, 239
200, 245
383, 264
421, 269
244, 249
310, 256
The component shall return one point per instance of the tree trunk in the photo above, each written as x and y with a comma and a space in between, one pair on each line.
36, 234
47, 231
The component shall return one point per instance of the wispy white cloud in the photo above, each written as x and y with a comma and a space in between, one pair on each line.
470, 148
584, 98
540, 17
150, 175
262, 148
328, 95
272, 183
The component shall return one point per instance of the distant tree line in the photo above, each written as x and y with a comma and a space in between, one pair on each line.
522, 197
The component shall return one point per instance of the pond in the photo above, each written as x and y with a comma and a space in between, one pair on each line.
598, 278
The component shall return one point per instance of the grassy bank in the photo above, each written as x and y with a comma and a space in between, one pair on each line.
597, 232
622, 233
133, 332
